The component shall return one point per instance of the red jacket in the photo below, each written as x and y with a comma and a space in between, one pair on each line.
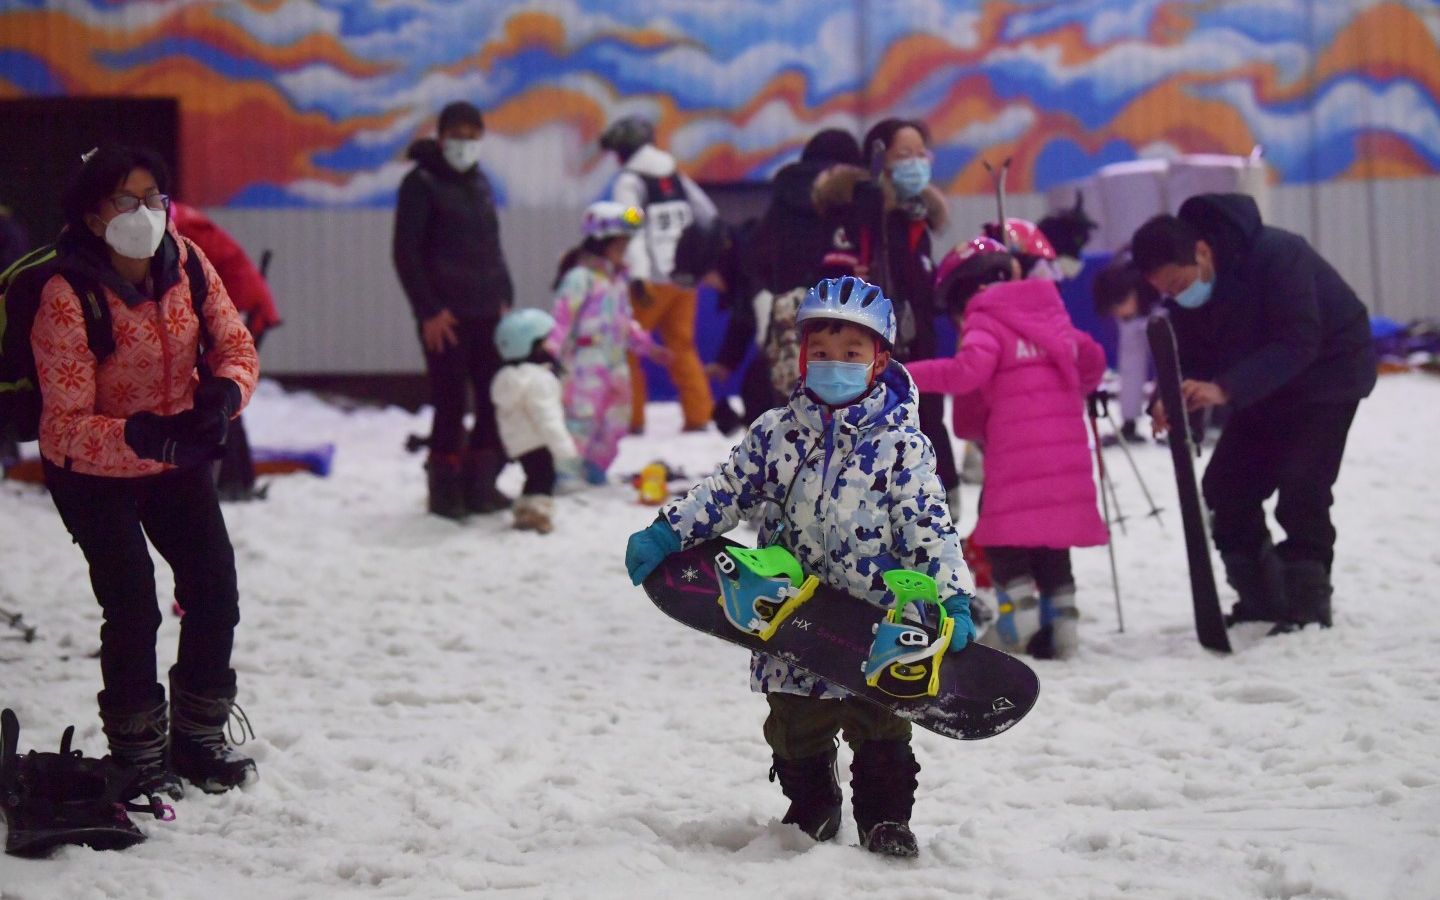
84, 403
248, 290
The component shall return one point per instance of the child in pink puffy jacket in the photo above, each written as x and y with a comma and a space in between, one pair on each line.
1028, 371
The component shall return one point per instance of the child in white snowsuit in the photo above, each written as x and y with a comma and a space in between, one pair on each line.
846, 481
529, 413
593, 331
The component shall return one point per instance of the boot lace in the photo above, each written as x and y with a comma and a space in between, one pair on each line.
211, 721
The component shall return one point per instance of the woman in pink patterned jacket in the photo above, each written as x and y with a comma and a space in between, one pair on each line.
127, 442
1032, 370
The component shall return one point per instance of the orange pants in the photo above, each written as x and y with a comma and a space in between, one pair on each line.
672, 310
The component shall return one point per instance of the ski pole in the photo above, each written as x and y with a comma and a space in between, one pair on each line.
1105, 506
16, 621
1130, 458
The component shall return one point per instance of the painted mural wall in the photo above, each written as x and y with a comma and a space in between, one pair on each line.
312, 104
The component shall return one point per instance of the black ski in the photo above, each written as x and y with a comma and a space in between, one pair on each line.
1209, 620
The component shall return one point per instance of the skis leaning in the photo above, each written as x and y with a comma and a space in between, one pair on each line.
1209, 619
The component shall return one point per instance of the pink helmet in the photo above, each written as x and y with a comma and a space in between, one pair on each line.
970, 266
1023, 237
962, 253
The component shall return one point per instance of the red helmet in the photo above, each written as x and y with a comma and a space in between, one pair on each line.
1023, 237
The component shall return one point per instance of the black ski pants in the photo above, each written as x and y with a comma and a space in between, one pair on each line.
470, 363
179, 511
1049, 566
1292, 449
539, 466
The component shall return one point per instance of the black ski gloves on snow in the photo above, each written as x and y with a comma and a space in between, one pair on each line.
194, 436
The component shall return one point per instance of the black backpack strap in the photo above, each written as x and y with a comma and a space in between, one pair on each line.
199, 293
99, 333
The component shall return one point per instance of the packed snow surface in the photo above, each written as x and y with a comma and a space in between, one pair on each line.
452, 709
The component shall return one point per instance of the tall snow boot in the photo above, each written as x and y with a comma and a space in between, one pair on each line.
882, 785
198, 745
1259, 583
1058, 637
1018, 604
139, 737
810, 786
1307, 595
481, 468
447, 493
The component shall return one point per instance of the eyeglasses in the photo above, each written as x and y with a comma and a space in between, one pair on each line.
127, 203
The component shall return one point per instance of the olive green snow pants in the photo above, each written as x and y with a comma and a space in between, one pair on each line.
798, 726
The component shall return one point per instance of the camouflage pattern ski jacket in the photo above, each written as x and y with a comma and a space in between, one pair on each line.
852, 492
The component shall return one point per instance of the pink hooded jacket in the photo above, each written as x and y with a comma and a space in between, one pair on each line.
1032, 369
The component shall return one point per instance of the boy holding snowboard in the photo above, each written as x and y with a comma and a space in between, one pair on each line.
846, 481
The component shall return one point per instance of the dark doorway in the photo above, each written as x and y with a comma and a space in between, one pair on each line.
46, 135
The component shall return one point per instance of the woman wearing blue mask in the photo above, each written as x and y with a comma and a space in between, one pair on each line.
913, 208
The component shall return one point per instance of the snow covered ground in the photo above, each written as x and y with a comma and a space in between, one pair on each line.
451, 709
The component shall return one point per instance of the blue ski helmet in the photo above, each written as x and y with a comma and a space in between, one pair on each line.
517, 333
852, 300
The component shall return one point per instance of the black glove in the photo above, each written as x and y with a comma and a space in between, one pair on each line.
208, 422
167, 439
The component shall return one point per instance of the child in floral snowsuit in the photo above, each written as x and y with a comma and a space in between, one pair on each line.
593, 331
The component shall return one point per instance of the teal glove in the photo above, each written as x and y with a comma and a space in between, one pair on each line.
958, 607
649, 547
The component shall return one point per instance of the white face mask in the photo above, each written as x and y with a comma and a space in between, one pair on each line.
136, 234
460, 154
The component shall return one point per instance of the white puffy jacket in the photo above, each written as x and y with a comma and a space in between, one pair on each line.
529, 411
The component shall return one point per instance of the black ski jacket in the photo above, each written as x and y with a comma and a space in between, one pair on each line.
791, 239
447, 240
1281, 324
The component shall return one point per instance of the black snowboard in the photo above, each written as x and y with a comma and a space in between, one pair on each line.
982, 691
1209, 618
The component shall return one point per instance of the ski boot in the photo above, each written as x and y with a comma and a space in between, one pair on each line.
1057, 637
198, 744
1019, 615
905, 656
810, 786
1307, 594
139, 737
446, 487
759, 589
1259, 583
882, 786
480, 468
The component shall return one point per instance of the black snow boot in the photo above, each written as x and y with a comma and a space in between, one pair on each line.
809, 784
481, 469
447, 491
1307, 595
1259, 583
882, 784
139, 737
198, 745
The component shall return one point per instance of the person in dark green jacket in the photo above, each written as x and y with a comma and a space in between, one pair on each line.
448, 256
1267, 326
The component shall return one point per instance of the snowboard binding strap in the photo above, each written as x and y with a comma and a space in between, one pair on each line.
759, 589
905, 657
